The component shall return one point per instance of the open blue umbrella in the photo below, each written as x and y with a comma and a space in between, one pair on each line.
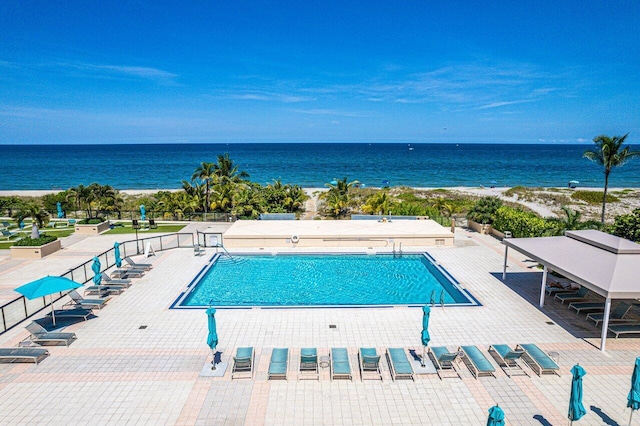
496, 416
633, 400
143, 212
212, 337
426, 311
95, 267
576, 409
60, 212
47, 286
116, 253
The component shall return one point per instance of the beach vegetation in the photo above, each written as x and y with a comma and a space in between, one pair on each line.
337, 200
572, 220
10, 204
50, 201
93, 199
484, 210
627, 226
609, 153
380, 203
593, 197
35, 242
205, 172
522, 224
36, 213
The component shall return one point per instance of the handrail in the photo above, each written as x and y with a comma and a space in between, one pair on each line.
15, 311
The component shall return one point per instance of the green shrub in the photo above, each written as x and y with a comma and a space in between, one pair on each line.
484, 210
627, 226
593, 197
92, 221
44, 239
521, 224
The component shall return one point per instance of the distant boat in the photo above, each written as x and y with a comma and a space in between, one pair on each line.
410, 147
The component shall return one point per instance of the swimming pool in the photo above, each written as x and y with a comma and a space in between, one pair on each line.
286, 280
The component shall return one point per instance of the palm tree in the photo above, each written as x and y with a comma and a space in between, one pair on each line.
206, 172
83, 196
35, 212
379, 202
337, 197
609, 153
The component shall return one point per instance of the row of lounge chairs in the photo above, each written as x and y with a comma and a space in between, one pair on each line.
369, 365
40, 336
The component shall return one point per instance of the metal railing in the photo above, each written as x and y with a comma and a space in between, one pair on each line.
14, 312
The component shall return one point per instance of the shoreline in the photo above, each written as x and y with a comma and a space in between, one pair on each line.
478, 189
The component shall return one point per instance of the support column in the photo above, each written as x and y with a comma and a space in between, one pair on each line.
605, 323
543, 286
504, 267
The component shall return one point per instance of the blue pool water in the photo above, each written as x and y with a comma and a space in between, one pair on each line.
323, 280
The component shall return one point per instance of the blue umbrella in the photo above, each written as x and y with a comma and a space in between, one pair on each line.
634, 393
212, 338
95, 267
60, 212
21, 225
143, 212
496, 416
425, 331
576, 409
116, 253
47, 286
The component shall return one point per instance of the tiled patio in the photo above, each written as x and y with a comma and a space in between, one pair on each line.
118, 373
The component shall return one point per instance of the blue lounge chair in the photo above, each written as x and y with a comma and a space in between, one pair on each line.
476, 362
444, 361
23, 354
369, 363
507, 359
399, 365
243, 363
40, 335
279, 363
576, 296
134, 265
308, 364
587, 306
619, 329
538, 360
340, 366
78, 301
8, 234
616, 315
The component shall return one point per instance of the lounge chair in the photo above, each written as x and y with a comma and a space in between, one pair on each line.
399, 365
308, 364
103, 290
6, 224
369, 363
618, 329
538, 360
476, 362
8, 234
78, 301
127, 273
616, 315
575, 296
243, 363
106, 279
134, 265
40, 335
279, 363
587, 306
340, 366
23, 354
73, 313
444, 361
507, 359
198, 250
553, 290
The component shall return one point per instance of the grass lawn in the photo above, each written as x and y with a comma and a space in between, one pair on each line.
161, 228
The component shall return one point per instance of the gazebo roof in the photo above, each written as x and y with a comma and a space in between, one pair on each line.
604, 263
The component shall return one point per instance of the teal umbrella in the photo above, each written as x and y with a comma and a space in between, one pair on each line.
496, 416
116, 253
95, 267
47, 286
426, 311
634, 393
143, 212
576, 409
60, 211
212, 338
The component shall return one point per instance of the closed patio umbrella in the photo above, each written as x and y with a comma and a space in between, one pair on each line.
95, 267
633, 400
576, 409
212, 337
143, 212
47, 286
116, 254
426, 311
496, 416
60, 212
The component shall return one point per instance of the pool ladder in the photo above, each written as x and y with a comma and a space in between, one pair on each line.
432, 301
399, 250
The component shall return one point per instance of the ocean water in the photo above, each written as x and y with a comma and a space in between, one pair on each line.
164, 166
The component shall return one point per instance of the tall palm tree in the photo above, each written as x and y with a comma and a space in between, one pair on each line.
609, 153
35, 212
226, 171
206, 172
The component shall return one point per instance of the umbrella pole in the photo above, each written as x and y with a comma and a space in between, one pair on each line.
53, 312
630, 417
213, 360
423, 355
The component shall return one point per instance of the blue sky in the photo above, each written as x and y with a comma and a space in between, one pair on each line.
246, 71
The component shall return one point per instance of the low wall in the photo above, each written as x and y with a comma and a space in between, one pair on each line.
335, 241
485, 229
35, 252
92, 229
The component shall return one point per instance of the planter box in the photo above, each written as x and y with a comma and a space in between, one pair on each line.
35, 252
92, 229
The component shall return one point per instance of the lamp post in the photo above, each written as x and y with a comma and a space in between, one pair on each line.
136, 225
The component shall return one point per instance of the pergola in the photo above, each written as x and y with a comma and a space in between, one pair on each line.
603, 263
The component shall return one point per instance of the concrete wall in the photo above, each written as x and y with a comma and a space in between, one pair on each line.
92, 229
35, 252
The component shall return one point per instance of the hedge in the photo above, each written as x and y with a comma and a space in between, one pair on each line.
36, 242
521, 224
